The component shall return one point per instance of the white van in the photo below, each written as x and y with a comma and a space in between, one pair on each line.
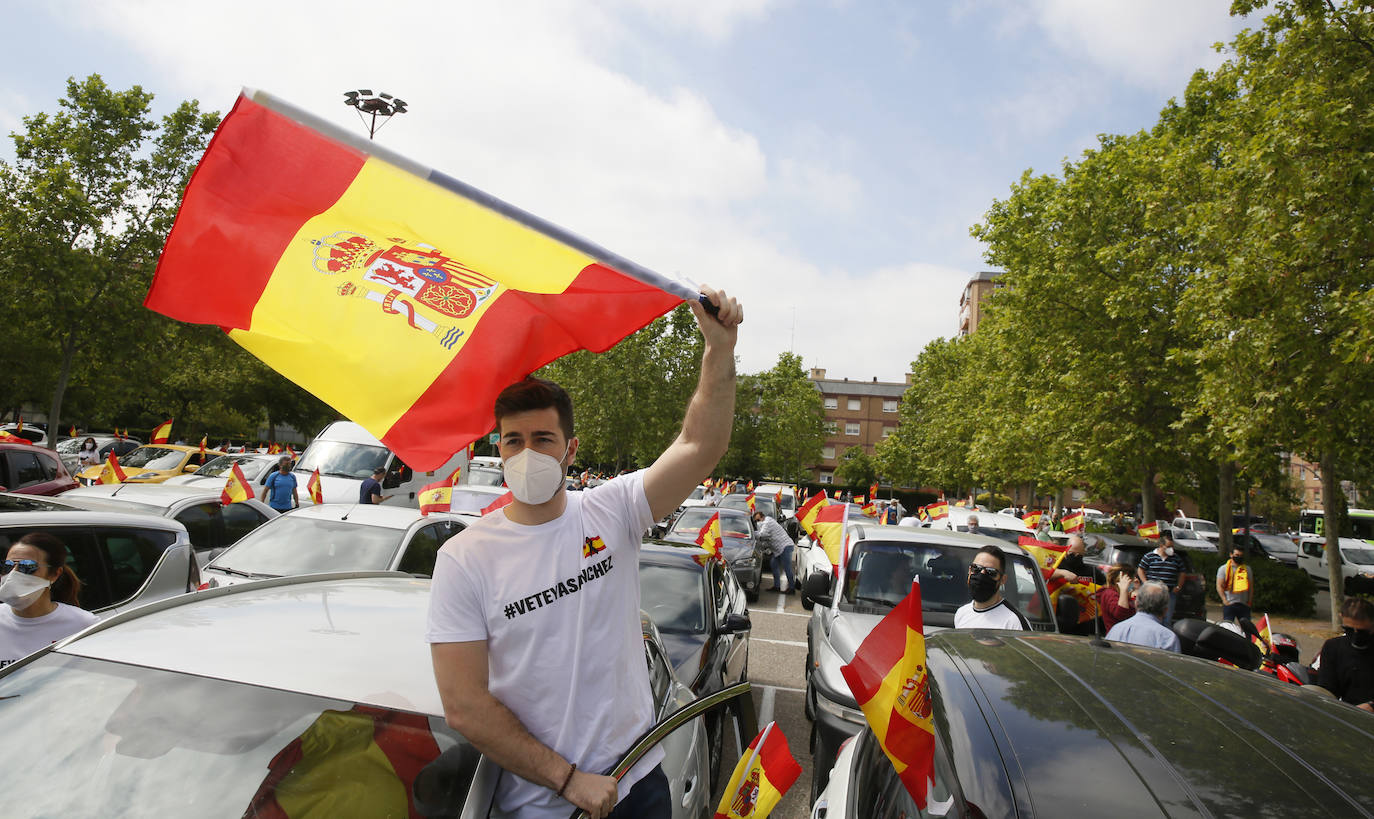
346, 454
788, 507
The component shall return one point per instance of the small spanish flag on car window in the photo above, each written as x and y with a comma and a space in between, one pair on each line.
472, 294
314, 487
709, 539
162, 433
1150, 530
891, 683
236, 488
762, 775
112, 473
1074, 523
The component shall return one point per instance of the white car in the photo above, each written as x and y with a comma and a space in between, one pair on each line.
1009, 528
1195, 529
254, 466
212, 525
337, 537
788, 507
346, 454
1357, 560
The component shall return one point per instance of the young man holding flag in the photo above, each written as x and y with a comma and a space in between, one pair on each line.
534, 610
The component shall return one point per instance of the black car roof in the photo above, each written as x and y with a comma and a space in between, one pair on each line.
670, 553
1083, 730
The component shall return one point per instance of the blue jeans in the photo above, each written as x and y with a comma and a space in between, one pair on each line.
1169, 616
784, 559
1235, 611
649, 798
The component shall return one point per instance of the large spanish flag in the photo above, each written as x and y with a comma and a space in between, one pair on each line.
400, 296
1048, 557
829, 530
762, 775
891, 683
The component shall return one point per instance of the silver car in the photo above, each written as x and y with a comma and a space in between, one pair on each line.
337, 537
122, 559
298, 696
255, 466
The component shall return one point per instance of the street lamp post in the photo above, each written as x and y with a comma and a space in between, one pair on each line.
370, 106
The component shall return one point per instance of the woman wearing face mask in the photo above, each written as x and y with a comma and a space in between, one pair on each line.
1114, 599
90, 454
987, 609
34, 573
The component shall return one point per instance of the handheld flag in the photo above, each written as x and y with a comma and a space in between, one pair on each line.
829, 529
1048, 556
290, 452
73, 431
315, 488
762, 775
236, 488
162, 433
938, 510
870, 508
471, 293
749, 487
112, 473
1074, 523
890, 681
873, 491
504, 500
777, 499
1032, 520
1150, 530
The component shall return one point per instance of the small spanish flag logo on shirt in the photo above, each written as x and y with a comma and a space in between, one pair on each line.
593, 545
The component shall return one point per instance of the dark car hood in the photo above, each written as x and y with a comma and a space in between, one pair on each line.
1095, 731
684, 652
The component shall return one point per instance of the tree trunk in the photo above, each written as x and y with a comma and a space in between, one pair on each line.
55, 414
1226, 501
1147, 498
1334, 508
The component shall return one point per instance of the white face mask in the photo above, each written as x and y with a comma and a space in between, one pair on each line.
22, 590
1169, 551
534, 477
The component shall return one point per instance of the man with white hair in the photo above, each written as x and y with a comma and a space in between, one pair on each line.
1145, 627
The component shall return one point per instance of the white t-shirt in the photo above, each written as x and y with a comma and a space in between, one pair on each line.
1000, 616
22, 636
558, 605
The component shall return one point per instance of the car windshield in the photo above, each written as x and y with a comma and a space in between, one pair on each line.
879, 575
674, 597
698, 493
251, 467
343, 460
135, 741
1205, 527
1009, 535
466, 500
72, 446
294, 544
1361, 557
153, 457
485, 476
741, 503
1276, 544
691, 520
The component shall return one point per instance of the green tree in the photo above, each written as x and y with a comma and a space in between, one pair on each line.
791, 420
857, 468
84, 210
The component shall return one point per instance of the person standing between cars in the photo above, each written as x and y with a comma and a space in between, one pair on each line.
40, 593
987, 575
973, 524
534, 610
1114, 599
1234, 586
1347, 662
774, 537
371, 490
281, 487
1165, 567
1146, 627
1072, 566
90, 453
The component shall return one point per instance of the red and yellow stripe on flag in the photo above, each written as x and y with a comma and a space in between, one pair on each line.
1031, 519
471, 293
891, 683
500, 502
1076, 522
709, 539
938, 510
112, 473
873, 491
315, 488
236, 488
1047, 556
750, 502
162, 433
870, 509
436, 497
829, 529
762, 775
1150, 529
806, 514
202, 446
7, 438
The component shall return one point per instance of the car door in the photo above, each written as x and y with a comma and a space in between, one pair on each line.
20, 470
238, 520
204, 524
83, 556
736, 644
419, 553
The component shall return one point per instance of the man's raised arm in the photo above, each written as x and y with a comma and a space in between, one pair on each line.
711, 412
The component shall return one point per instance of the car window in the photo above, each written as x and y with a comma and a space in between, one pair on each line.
24, 469
485, 476
293, 544
239, 520
880, 794
423, 549
203, 525
131, 555
673, 597
83, 556
660, 673
698, 493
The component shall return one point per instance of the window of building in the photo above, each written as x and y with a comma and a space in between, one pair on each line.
889, 405
853, 405
827, 477
851, 428
832, 403
888, 431
831, 427
828, 453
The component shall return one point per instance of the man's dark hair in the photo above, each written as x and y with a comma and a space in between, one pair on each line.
536, 394
1357, 608
997, 553
1165, 534
381, 470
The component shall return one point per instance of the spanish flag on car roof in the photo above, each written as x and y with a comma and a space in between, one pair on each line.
400, 296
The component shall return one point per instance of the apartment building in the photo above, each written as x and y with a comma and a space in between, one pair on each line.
971, 300
857, 413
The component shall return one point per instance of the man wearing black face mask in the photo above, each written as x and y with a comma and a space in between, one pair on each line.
986, 576
1347, 662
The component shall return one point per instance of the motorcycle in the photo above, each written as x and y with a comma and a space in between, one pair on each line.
1242, 646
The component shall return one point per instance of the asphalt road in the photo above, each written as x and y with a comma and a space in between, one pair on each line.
777, 656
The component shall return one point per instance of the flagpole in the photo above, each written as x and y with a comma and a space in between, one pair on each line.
678, 286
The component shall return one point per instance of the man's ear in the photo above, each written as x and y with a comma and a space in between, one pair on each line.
571, 457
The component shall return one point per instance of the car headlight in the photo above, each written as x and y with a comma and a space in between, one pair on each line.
742, 562
842, 712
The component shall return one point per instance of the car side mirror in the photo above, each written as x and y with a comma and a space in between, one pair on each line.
189, 468
734, 624
817, 587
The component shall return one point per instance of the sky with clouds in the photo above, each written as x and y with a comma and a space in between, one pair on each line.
821, 159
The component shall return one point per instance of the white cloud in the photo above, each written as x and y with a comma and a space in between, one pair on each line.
714, 19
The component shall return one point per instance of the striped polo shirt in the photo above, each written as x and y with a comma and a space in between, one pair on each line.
1162, 569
